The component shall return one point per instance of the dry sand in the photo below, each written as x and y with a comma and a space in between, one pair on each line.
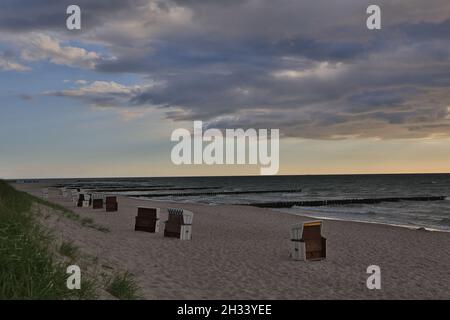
240, 252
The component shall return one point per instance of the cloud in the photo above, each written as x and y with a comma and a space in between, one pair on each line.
323, 70
310, 68
7, 65
50, 15
103, 93
39, 46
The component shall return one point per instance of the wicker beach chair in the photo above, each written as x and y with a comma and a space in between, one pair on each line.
80, 200
97, 201
63, 192
307, 242
111, 204
147, 220
74, 196
179, 224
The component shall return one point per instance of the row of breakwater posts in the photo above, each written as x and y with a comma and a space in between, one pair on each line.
153, 189
92, 186
214, 193
185, 194
336, 202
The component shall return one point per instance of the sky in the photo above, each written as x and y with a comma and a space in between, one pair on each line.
103, 101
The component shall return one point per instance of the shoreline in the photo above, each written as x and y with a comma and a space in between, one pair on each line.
409, 227
241, 252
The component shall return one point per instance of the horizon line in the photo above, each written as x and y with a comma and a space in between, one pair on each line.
218, 176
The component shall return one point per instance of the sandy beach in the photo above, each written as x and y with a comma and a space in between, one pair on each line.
241, 252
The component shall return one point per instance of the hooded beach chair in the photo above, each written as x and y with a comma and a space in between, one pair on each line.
147, 220
111, 203
80, 200
87, 200
74, 196
97, 201
307, 242
179, 224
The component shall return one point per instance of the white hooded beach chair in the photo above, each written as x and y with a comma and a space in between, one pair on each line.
179, 224
75, 196
307, 242
45, 193
87, 200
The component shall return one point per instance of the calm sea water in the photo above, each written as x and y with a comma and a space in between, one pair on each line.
432, 214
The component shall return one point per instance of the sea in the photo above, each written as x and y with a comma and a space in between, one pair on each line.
244, 190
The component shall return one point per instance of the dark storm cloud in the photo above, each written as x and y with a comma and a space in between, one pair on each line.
310, 68
375, 98
428, 30
50, 15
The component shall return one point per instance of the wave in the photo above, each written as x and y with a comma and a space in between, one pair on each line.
445, 221
340, 202
350, 219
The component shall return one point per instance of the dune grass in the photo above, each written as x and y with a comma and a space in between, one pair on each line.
123, 286
28, 266
69, 250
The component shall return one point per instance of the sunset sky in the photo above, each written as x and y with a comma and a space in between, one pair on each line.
104, 100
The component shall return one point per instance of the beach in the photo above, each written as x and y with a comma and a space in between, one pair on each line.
242, 252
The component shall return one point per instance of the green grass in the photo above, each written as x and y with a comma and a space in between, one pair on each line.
87, 222
123, 286
67, 249
28, 266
